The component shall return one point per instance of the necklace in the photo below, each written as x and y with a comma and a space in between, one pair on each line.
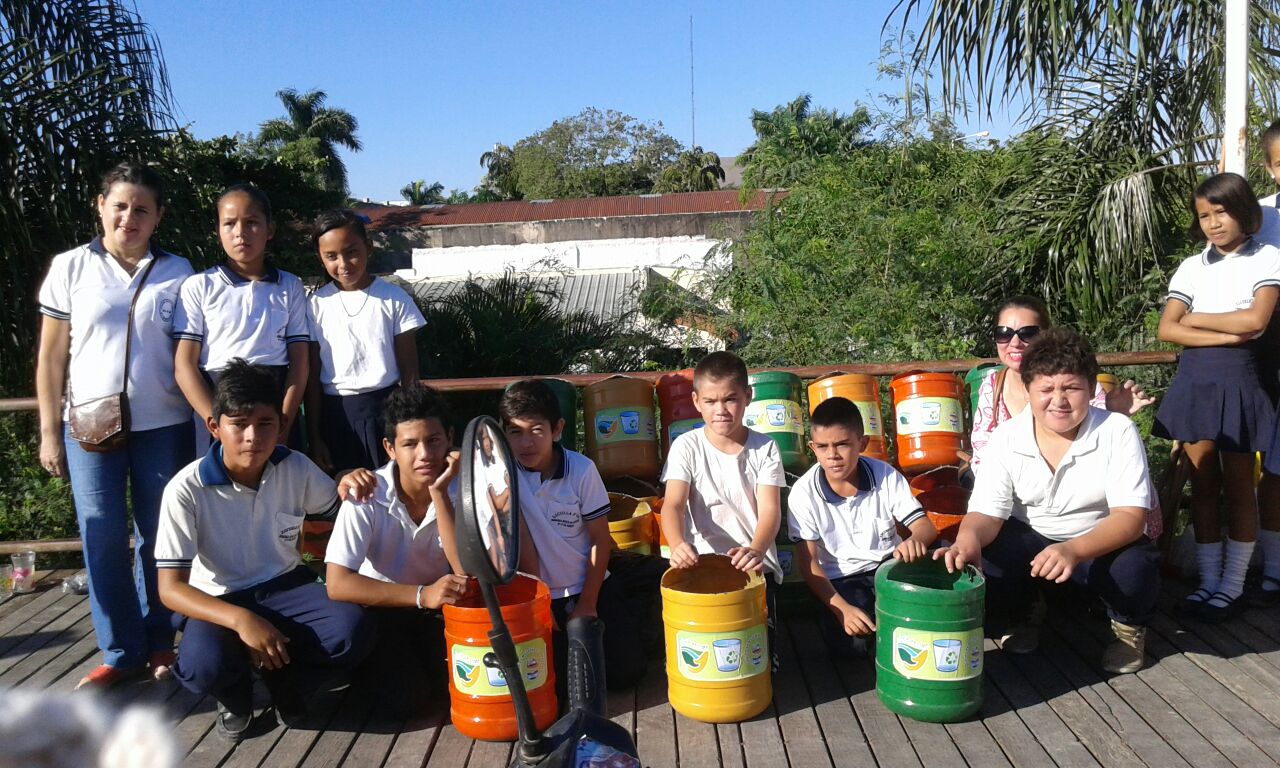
343, 301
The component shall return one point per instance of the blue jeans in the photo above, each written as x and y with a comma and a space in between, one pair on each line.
128, 619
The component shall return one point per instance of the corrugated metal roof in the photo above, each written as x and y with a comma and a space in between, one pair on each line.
607, 295
384, 217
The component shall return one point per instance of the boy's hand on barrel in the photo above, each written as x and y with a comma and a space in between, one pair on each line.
746, 559
683, 555
855, 621
447, 590
957, 556
357, 485
1054, 563
910, 550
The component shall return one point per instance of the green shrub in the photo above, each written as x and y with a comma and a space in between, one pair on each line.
33, 505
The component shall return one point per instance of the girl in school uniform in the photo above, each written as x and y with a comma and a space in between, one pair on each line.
363, 347
1219, 302
243, 308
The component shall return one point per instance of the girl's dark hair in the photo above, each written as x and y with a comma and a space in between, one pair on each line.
131, 173
1232, 192
529, 399
1031, 303
255, 195
337, 218
412, 403
1060, 350
1269, 139
245, 386
837, 412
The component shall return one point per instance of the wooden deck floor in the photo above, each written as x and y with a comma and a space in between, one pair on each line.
1210, 697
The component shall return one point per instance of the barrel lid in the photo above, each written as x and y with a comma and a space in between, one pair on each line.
927, 576
773, 377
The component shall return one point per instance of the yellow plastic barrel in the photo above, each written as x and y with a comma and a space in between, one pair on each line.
631, 523
1108, 381
620, 425
717, 641
864, 392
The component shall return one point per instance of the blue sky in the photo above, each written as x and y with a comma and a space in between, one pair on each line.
434, 85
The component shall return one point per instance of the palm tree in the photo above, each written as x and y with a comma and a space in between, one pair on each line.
307, 118
1124, 101
693, 171
793, 137
83, 86
500, 177
420, 193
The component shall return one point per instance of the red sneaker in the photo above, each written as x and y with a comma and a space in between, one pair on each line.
161, 663
104, 677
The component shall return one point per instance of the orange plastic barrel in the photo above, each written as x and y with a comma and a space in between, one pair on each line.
944, 500
479, 701
621, 438
928, 414
864, 392
675, 401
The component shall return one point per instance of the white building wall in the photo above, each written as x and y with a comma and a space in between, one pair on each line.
688, 252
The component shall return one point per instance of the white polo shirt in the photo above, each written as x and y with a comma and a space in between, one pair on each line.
88, 288
232, 536
722, 512
857, 533
233, 317
557, 512
379, 539
1105, 467
356, 332
1270, 231
1212, 282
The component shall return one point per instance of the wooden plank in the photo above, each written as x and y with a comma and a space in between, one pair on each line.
696, 743
1057, 739
888, 739
933, 743
976, 743
621, 706
43, 649
294, 744
417, 739
47, 583
372, 745
56, 674
655, 721
846, 743
801, 733
489, 754
450, 749
26, 608
730, 737
1015, 741
331, 747
762, 740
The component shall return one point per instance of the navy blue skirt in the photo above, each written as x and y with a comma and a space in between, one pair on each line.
1217, 395
351, 427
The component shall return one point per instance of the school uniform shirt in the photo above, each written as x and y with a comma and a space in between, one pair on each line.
857, 533
356, 332
379, 539
722, 512
232, 536
1105, 467
235, 317
1270, 231
557, 512
89, 289
1215, 282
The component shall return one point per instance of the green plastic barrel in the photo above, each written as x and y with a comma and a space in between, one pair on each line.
929, 640
567, 396
973, 382
775, 410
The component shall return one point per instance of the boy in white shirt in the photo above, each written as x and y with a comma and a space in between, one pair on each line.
564, 509
845, 512
393, 552
723, 482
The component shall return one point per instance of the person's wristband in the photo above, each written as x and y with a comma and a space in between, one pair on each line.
417, 598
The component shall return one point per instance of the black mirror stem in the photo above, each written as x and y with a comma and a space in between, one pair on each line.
532, 745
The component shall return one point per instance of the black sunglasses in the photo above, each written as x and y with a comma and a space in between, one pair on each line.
1004, 334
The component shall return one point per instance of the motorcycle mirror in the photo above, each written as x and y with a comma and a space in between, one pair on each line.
489, 524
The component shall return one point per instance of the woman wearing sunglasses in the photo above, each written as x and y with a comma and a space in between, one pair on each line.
1001, 396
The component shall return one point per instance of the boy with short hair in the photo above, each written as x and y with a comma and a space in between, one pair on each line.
844, 513
723, 482
395, 552
229, 568
565, 509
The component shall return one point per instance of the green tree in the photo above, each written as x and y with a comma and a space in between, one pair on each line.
694, 170
500, 179
322, 129
83, 86
419, 192
793, 138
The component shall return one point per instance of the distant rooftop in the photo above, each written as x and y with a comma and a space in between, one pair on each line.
384, 217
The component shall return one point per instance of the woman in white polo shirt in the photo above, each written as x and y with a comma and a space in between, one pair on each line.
85, 300
1062, 495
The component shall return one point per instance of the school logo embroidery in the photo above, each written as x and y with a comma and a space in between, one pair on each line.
164, 309
290, 533
566, 518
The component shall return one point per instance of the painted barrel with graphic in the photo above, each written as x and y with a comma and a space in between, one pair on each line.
944, 500
621, 434
479, 700
631, 523
775, 411
929, 640
928, 417
675, 401
973, 383
716, 625
567, 396
864, 392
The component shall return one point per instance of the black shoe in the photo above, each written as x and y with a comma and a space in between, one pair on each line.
1220, 607
232, 726
1192, 603
286, 699
1261, 597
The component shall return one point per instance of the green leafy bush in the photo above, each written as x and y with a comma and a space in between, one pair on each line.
36, 505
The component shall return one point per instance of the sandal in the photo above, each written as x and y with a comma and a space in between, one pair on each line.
1192, 603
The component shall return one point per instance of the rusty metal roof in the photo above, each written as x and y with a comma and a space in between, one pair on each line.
384, 217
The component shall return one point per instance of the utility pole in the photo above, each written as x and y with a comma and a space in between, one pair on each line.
1236, 87
693, 121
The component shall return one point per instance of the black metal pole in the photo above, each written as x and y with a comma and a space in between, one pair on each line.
532, 745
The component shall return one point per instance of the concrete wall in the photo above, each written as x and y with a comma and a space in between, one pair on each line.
576, 255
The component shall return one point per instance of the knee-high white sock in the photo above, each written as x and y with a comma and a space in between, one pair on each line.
1270, 541
1234, 567
1209, 559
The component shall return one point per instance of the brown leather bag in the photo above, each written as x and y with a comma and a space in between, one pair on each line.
101, 425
